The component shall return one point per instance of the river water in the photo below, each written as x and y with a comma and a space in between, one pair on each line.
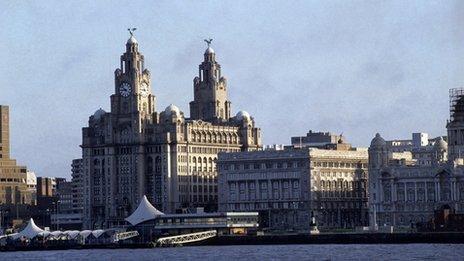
252, 252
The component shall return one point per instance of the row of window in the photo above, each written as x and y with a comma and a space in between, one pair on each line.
215, 138
275, 194
329, 164
13, 180
263, 165
264, 184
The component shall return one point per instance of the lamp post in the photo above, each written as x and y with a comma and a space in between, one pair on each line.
55, 204
47, 216
1, 220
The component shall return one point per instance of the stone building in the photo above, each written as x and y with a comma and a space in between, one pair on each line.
13, 178
406, 185
77, 182
31, 182
64, 215
314, 139
135, 150
289, 186
46, 187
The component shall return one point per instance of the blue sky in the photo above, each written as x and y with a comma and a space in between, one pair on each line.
357, 67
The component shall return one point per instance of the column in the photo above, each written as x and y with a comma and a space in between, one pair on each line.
438, 192
269, 192
426, 192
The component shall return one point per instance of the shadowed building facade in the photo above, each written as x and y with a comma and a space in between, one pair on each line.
135, 150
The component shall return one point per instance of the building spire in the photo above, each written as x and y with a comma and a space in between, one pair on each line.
210, 90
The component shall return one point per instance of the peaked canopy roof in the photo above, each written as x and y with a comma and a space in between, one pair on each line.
145, 211
30, 231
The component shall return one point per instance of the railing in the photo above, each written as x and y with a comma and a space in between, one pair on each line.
125, 235
186, 238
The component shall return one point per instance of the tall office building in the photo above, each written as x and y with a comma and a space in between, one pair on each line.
77, 186
13, 178
135, 150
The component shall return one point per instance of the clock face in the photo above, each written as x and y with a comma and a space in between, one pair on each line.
144, 89
125, 89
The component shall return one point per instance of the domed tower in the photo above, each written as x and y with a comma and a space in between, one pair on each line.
378, 153
378, 158
172, 114
133, 95
440, 151
210, 101
455, 125
250, 135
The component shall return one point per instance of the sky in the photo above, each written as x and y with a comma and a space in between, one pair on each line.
351, 67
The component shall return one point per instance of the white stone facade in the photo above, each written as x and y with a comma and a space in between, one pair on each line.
407, 190
289, 186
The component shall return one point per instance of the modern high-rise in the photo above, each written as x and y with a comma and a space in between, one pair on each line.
135, 150
77, 186
13, 178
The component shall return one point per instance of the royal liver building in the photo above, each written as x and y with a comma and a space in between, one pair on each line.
135, 150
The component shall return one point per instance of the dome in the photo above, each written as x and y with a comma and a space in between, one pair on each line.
378, 141
209, 50
99, 113
132, 40
172, 109
440, 144
243, 115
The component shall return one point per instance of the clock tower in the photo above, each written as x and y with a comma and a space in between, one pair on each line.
133, 95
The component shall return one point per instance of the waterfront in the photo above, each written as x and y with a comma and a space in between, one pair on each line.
253, 252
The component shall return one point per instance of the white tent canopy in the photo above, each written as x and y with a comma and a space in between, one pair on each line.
85, 233
97, 233
145, 211
30, 231
72, 233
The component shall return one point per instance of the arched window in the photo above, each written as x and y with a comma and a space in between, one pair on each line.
158, 164
144, 107
210, 163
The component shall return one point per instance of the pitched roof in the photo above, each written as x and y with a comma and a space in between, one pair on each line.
145, 211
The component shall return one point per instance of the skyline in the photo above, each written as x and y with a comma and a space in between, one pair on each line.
405, 69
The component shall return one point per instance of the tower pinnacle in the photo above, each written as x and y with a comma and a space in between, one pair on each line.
210, 90
131, 31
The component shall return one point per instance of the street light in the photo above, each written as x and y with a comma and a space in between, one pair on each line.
55, 204
1, 219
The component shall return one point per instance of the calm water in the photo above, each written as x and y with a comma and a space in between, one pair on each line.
269, 252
